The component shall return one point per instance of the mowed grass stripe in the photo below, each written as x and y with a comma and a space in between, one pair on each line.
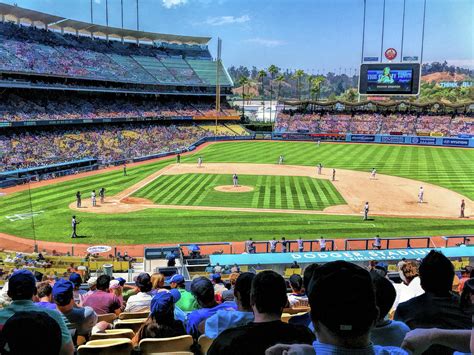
193, 195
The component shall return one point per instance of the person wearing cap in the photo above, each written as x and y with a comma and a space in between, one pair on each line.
44, 293
187, 302
102, 301
76, 280
82, 319
438, 307
228, 294
223, 320
141, 301
116, 289
92, 283
386, 332
21, 289
267, 299
161, 323
203, 291
218, 284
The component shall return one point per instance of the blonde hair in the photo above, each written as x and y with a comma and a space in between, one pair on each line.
157, 280
116, 291
233, 278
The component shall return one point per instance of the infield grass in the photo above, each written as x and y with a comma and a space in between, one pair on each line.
274, 192
450, 168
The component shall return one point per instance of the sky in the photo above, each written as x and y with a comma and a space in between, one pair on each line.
314, 35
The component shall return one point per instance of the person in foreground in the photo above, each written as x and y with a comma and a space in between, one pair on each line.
343, 311
21, 289
267, 299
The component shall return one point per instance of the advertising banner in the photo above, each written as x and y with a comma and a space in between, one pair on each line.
392, 139
363, 138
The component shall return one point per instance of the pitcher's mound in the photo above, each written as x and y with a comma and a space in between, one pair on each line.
231, 188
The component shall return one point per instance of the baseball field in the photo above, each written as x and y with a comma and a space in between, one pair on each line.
162, 202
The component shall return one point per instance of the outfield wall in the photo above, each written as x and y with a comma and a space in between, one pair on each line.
462, 141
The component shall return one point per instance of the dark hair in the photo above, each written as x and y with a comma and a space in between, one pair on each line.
44, 289
243, 285
268, 292
465, 299
385, 294
38, 276
296, 282
436, 273
308, 274
152, 329
103, 282
44, 334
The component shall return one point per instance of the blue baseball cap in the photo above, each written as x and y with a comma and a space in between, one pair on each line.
216, 277
22, 283
63, 291
162, 302
75, 278
176, 278
121, 280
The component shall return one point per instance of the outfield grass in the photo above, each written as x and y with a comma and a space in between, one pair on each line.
274, 192
450, 168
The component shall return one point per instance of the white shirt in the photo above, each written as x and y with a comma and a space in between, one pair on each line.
93, 195
322, 243
139, 302
300, 243
273, 244
405, 293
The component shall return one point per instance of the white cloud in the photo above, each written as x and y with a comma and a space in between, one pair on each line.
173, 3
464, 63
97, 1
226, 20
265, 42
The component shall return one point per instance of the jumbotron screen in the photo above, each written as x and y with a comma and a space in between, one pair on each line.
389, 79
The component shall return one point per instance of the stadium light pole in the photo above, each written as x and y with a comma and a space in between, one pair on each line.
403, 30
138, 21
121, 11
35, 248
383, 30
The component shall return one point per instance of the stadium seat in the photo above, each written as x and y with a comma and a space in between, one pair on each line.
205, 343
119, 346
290, 271
108, 317
113, 333
134, 315
295, 310
285, 317
165, 345
133, 324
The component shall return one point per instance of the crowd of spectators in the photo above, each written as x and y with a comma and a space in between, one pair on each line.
368, 123
32, 50
107, 143
351, 310
17, 106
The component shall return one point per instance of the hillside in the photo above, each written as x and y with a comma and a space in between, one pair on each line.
444, 76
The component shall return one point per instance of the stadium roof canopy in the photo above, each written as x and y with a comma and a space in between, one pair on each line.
18, 14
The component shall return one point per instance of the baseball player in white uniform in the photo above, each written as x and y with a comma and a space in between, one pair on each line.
373, 173
94, 202
280, 160
199, 162
235, 180
320, 168
421, 194
366, 211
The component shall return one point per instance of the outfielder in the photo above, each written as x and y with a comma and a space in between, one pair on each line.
463, 206
199, 162
333, 174
320, 168
235, 180
124, 169
421, 194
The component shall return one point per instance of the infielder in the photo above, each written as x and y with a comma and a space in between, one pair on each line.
199, 162
373, 173
74, 224
178, 158
124, 169
94, 202
366, 211
320, 168
463, 206
333, 174
102, 195
319, 143
235, 180
421, 194
78, 199
280, 160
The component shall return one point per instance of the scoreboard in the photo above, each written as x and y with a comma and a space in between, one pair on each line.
389, 79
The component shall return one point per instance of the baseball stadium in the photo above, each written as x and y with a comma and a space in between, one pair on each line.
139, 161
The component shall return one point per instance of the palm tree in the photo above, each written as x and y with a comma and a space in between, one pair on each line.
316, 86
273, 70
279, 79
262, 74
242, 82
298, 75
